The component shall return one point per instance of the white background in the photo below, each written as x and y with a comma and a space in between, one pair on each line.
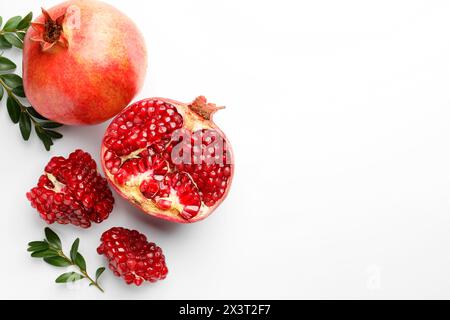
339, 114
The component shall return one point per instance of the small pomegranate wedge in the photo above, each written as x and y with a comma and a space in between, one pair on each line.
72, 191
169, 158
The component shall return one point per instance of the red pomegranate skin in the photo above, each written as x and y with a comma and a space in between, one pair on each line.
96, 75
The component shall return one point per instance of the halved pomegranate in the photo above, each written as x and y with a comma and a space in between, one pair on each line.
169, 158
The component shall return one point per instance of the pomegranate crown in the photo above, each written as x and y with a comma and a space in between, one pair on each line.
204, 109
50, 32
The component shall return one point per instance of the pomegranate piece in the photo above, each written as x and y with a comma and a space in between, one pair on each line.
83, 62
132, 257
72, 191
169, 158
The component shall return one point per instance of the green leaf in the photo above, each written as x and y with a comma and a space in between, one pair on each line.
12, 80
25, 125
50, 125
98, 273
4, 44
41, 246
36, 243
25, 22
45, 254
12, 24
74, 250
80, 262
19, 91
52, 238
20, 35
53, 134
57, 261
32, 112
45, 138
14, 40
69, 277
6, 64
1, 21
13, 109
2, 91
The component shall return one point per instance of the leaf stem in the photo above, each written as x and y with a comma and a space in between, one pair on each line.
94, 283
11, 94
84, 273
3, 32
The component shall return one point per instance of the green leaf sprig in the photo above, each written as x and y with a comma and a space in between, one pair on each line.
12, 34
50, 250
14, 31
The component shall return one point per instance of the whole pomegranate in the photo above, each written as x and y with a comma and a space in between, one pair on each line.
83, 62
169, 158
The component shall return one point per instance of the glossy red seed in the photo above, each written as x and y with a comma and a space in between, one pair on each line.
164, 204
132, 257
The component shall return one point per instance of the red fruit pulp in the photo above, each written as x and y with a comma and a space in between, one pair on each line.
169, 158
83, 62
